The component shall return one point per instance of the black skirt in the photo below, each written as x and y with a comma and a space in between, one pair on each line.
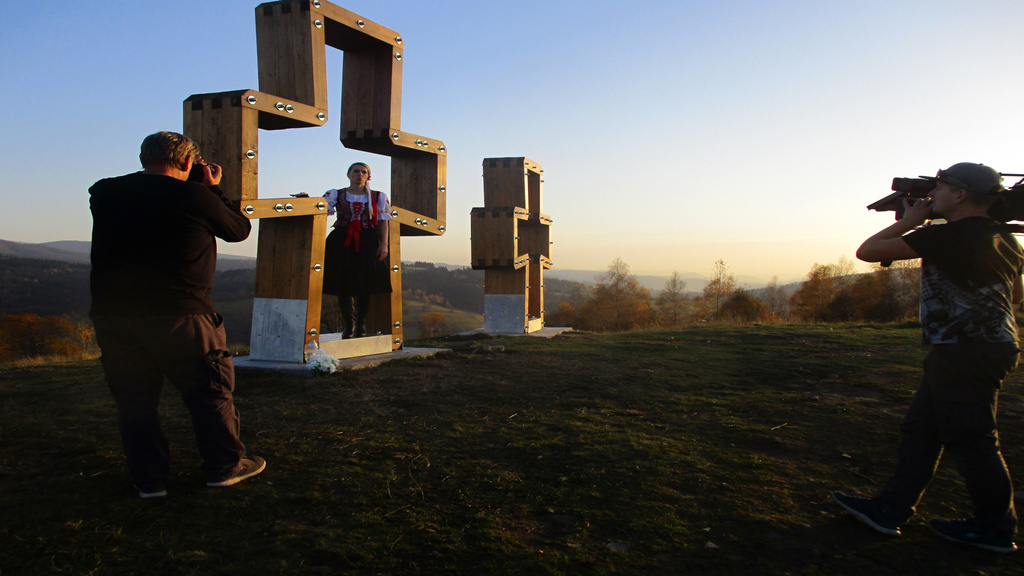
351, 273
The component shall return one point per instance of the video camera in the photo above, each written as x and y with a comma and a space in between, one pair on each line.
1009, 207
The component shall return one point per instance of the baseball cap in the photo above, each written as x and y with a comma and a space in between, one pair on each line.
976, 178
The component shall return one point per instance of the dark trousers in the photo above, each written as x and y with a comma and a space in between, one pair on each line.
955, 409
191, 351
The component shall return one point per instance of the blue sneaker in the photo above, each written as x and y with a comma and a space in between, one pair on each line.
869, 512
968, 532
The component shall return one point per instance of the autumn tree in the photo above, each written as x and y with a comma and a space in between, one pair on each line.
32, 336
718, 289
825, 295
888, 294
672, 305
812, 300
620, 302
742, 306
564, 315
902, 281
432, 324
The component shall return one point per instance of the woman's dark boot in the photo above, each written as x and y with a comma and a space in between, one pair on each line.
362, 307
345, 306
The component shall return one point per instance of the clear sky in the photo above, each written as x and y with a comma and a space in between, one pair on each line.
673, 133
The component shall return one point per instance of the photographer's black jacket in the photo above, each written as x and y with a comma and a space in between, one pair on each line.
154, 247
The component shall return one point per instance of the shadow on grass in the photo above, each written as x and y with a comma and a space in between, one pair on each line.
704, 451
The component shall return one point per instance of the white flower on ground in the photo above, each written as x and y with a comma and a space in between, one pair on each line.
322, 363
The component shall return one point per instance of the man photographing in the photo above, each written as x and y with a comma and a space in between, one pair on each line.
970, 284
154, 251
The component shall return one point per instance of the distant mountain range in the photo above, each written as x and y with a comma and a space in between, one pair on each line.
77, 251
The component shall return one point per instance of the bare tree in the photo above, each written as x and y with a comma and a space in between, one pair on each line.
775, 299
718, 289
672, 304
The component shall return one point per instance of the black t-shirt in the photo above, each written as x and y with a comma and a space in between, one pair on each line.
154, 248
968, 268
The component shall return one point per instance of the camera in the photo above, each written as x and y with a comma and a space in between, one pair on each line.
196, 174
1009, 206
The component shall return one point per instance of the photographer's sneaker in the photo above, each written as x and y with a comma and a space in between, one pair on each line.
869, 512
967, 532
247, 469
153, 494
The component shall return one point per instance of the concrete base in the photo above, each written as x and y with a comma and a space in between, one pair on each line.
293, 369
504, 313
546, 332
278, 329
354, 347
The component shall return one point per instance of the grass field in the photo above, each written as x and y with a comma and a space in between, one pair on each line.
711, 450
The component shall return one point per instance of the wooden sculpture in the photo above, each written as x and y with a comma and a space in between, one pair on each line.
291, 37
512, 243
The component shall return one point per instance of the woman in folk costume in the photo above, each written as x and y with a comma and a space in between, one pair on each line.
356, 254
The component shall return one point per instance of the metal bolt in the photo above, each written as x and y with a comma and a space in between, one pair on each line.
394, 268
249, 209
318, 24
279, 105
441, 188
398, 324
317, 267
250, 154
398, 39
360, 23
394, 135
251, 99
321, 116
316, 3
398, 56
398, 340
320, 205
441, 148
289, 109
313, 332
441, 228
288, 207
278, 208
394, 213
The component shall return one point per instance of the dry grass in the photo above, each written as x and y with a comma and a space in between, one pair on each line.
711, 450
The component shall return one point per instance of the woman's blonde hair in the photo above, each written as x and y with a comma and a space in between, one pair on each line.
369, 193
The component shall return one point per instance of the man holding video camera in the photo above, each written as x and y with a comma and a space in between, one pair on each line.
970, 285
154, 251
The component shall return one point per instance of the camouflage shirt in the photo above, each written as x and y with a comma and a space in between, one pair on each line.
968, 268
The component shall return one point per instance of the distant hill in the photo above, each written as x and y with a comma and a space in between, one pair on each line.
52, 279
77, 252
695, 283
64, 251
